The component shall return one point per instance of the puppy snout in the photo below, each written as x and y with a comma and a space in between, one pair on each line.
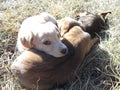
64, 51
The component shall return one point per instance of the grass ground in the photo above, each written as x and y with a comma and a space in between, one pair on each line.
101, 71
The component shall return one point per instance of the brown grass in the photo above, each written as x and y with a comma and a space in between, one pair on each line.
101, 71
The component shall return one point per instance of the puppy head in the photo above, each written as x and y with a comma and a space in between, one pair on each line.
88, 18
44, 38
93, 23
82, 14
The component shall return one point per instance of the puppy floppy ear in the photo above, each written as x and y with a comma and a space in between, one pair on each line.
27, 40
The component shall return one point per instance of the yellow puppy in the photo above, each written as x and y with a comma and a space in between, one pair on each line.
41, 32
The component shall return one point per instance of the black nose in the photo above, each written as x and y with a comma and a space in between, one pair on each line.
64, 51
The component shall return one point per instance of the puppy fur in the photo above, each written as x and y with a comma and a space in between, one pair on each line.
93, 23
41, 32
65, 26
38, 70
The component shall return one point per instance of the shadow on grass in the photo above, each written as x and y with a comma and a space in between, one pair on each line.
94, 72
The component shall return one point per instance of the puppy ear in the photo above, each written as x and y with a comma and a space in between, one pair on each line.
104, 14
27, 40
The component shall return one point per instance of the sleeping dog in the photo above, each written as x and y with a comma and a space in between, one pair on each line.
41, 32
38, 70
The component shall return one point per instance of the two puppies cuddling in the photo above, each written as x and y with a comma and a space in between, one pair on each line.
38, 40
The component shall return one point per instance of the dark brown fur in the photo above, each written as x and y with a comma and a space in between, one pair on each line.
93, 23
41, 71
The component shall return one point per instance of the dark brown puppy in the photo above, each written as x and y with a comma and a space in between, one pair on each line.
40, 71
93, 23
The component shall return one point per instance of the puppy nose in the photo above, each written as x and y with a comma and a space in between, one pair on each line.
64, 51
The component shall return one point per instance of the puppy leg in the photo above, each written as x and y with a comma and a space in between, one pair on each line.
91, 43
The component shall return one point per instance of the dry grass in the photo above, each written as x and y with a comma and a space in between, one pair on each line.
101, 71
